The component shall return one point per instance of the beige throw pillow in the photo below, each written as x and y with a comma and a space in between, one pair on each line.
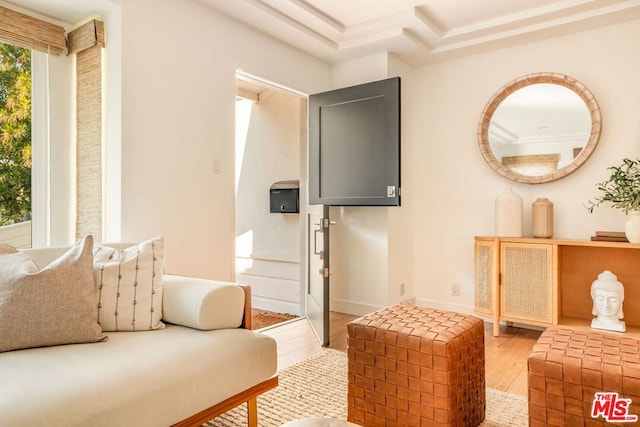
7, 249
53, 306
129, 286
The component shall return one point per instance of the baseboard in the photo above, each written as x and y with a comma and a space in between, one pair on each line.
459, 308
465, 309
360, 309
353, 308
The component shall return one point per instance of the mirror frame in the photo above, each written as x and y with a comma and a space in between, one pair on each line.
527, 80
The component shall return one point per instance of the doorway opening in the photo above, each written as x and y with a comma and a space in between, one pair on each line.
270, 147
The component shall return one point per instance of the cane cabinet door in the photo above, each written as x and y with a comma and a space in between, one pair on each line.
527, 283
484, 266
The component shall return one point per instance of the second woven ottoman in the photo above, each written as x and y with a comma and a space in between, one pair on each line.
584, 378
415, 366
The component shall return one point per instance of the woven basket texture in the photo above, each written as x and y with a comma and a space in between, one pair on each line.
413, 366
566, 369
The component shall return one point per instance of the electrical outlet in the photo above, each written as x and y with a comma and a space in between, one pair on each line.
455, 289
408, 301
215, 166
401, 289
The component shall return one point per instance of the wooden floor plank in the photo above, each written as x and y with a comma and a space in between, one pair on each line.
505, 355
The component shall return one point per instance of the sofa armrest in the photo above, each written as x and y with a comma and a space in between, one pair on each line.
246, 320
202, 304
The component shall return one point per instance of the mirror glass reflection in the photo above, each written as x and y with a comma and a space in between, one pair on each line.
539, 129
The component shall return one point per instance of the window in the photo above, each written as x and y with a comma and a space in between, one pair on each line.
60, 177
15, 141
25, 195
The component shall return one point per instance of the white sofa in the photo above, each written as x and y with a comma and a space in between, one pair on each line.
179, 375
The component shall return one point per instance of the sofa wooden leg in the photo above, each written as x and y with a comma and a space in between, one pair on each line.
249, 396
252, 412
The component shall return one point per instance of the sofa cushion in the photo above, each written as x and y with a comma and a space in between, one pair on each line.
149, 378
202, 304
129, 286
53, 306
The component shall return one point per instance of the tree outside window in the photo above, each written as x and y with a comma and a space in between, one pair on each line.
15, 134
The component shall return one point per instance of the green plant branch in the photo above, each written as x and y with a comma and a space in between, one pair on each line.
622, 189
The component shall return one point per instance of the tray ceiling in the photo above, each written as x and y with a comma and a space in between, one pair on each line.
418, 31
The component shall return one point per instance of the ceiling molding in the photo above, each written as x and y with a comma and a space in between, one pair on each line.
277, 14
434, 31
419, 31
318, 14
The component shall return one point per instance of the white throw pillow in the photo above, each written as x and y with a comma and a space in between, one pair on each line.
129, 286
53, 306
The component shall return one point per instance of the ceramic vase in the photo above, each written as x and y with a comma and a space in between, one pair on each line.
508, 214
632, 227
542, 218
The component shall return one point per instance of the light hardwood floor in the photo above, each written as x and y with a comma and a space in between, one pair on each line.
505, 356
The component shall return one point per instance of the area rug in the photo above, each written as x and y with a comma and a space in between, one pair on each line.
261, 319
317, 387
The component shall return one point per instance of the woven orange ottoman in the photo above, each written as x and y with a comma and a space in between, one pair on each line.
413, 366
566, 370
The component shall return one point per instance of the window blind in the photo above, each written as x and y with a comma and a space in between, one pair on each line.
86, 42
86, 36
32, 33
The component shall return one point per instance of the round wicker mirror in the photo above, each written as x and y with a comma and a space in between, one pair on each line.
539, 128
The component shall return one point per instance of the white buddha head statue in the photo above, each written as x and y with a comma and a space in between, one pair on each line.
607, 294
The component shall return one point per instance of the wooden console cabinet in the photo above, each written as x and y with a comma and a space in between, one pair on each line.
544, 282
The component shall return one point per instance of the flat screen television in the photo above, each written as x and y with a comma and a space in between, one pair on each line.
354, 145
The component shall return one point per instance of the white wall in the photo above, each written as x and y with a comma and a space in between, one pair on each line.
179, 61
268, 244
449, 187
178, 77
112, 124
359, 253
271, 153
448, 191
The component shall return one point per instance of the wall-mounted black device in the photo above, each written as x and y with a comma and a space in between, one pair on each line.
285, 197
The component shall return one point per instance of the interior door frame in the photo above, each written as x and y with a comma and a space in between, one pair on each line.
303, 178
